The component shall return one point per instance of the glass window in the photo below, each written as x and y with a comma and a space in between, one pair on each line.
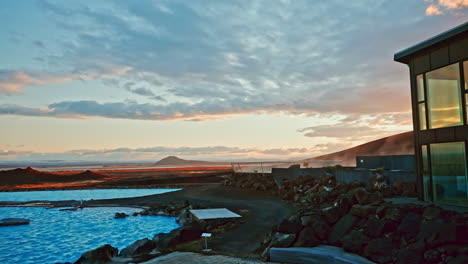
422, 116
420, 85
465, 69
426, 174
449, 173
443, 97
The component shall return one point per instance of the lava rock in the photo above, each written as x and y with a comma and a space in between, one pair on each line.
410, 224
380, 250
290, 227
408, 257
362, 210
13, 221
308, 238
431, 213
332, 214
100, 255
165, 241
355, 241
282, 240
361, 195
343, 226
120, 215
139, 247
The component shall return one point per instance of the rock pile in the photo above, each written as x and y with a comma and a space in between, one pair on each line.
255, 181
171, 209
381, 231
317, 190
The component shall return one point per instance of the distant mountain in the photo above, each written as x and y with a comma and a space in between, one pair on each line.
32, 176
173, 160
400, 144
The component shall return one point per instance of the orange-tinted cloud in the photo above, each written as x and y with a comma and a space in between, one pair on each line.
436, 8
12, 82
433, 10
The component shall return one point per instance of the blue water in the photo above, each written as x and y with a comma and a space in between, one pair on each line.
59, 236
79, 194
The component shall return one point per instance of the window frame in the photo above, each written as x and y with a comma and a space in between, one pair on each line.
422, 102
464, 91
429, 171
463, 94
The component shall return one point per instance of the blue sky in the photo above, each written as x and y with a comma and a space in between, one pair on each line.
218, 80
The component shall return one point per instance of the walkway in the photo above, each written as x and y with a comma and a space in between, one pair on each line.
195, 258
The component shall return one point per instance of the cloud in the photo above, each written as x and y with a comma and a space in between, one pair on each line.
434, 8
196, 61
275, 57
12, 82
142, 91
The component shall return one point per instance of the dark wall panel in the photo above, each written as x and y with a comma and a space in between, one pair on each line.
421, 64
461, 133
440, 57
459, 50
446, 134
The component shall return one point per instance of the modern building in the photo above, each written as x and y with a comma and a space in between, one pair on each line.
439, 94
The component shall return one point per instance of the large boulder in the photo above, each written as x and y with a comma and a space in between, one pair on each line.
462, 259
341, 228
362, 210
100, 255
290, 227
393, 213
380, 250
332, 214
322, 229
282, 240
361, 195
410, 224
139, 247
406, 256
431, 213
438, 232
165, 241
405, 188
355, 241
375, 227
308, 238
120, 215
13, 221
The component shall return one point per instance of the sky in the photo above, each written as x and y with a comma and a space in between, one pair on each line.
214, 80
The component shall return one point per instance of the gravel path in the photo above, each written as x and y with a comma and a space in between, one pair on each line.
194, 258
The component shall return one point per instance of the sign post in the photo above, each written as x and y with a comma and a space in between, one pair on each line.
206, 236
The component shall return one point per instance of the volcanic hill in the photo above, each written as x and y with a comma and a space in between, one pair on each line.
32, 176
400, 144
173, 160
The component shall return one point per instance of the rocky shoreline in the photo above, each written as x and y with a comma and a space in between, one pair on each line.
162, 243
